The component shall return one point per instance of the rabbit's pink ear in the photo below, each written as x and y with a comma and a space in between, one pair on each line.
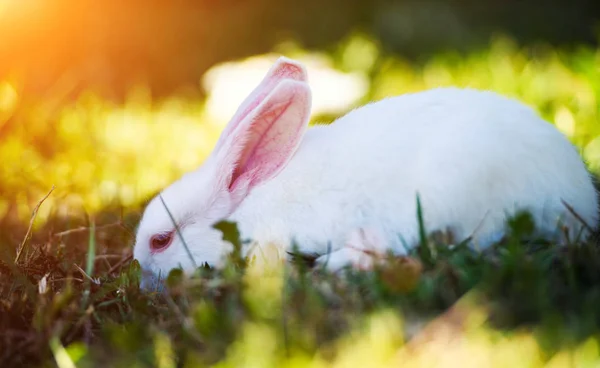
265, 139
283, 68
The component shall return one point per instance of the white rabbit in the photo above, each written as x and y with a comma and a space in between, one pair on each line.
473, 157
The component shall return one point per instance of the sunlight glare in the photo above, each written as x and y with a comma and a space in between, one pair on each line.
565, 122
229, 84
8, 97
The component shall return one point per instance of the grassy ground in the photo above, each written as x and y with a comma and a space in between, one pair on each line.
62, 304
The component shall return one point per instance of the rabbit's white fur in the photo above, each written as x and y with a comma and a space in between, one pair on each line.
473, 157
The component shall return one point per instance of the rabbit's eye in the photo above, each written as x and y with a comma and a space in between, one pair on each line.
160, 242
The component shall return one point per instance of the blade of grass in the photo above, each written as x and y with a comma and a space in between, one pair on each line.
83, 229
576, 215
120, 263
84, 274
31, 221
179, 232
62, 358
91, 256
427, 251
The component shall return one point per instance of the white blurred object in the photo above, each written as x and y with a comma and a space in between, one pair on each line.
334, 92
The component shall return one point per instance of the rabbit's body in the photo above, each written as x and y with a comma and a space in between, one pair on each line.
474, 157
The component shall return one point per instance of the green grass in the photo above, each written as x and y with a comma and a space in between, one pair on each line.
293, 315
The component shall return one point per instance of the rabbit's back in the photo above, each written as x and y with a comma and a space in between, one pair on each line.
472, 156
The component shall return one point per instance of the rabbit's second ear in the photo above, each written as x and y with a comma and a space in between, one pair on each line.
266, 139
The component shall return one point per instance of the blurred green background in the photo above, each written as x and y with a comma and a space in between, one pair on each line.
109, 101
112, 100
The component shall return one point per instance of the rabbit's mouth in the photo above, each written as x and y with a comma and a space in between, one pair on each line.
150, 283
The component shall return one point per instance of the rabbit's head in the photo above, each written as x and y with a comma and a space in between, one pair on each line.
176, 229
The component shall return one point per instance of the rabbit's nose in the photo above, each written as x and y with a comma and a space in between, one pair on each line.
149, 282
